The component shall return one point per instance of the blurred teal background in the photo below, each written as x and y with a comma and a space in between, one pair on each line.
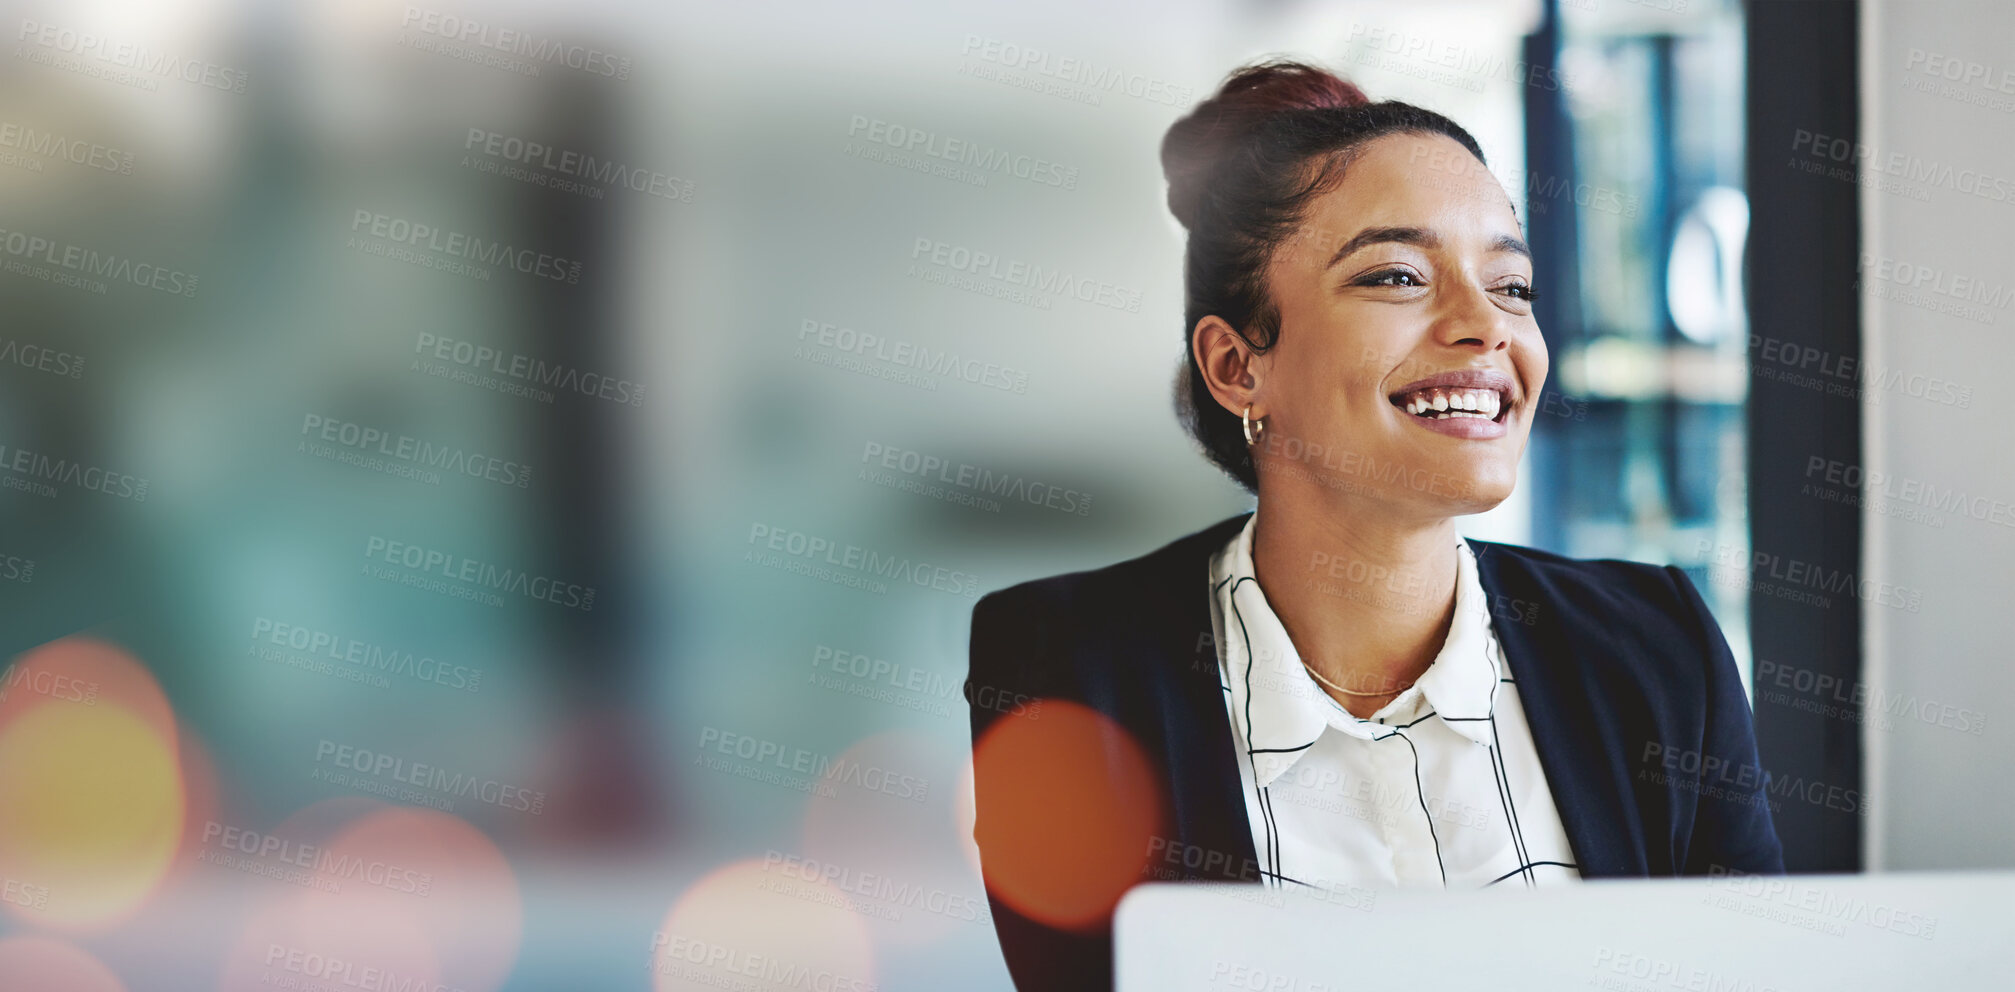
555, 450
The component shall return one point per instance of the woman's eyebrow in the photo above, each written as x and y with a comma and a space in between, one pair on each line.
1419, 237
1416, 236
1506, 242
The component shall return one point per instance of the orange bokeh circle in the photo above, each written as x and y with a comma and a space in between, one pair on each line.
1067, 806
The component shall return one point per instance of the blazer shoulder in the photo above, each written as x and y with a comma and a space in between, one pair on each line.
1648, 616
1614, 583
1110, 588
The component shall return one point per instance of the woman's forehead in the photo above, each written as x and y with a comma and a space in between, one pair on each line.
1415, 180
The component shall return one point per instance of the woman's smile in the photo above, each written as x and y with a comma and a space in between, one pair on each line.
1474, 404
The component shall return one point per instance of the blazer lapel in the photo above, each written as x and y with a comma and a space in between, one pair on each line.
1577, 741
1198, 754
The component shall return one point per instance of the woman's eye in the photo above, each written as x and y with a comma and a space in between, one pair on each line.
1391, 277
1521, 291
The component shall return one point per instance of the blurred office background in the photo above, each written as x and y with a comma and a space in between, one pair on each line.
492, 493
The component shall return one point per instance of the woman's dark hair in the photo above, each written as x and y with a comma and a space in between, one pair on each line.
1242, 169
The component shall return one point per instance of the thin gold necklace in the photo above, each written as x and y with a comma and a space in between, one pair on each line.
1350, 692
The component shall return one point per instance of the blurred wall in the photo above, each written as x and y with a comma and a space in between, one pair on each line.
1938, 274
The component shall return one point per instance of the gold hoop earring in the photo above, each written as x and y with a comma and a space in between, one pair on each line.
1245, 421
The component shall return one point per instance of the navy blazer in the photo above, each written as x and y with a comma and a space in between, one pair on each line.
1636, 709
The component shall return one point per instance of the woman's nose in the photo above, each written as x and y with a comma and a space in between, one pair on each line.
1469, 317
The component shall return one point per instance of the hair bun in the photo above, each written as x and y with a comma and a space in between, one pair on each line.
1249, 96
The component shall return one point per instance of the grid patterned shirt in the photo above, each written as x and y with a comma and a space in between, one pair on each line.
1441, 787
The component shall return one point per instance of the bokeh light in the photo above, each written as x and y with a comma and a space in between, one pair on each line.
355, 890
886, 837
738, 928
91, 769
451, 877
85, 671
1068, 806
316, 939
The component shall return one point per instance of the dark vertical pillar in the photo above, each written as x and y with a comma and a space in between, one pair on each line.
587, 525
1670, 190
1553, 231
1804, 233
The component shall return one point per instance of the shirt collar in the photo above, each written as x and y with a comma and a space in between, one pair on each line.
1283, 707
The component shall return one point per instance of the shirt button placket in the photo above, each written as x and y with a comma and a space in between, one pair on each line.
1405, 825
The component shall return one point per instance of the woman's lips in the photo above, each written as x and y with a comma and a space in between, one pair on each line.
1471, 427
1474, 428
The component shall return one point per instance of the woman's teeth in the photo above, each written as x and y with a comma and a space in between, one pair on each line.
1441, 404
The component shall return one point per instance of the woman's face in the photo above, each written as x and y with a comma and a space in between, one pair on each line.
1404, 298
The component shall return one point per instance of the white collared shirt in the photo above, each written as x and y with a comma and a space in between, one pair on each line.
1441, 787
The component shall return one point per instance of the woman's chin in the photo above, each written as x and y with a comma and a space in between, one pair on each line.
1476, 506
1460, 495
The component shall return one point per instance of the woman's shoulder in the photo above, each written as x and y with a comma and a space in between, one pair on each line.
1102, 623
1594, 584
1175, 569
1643, 620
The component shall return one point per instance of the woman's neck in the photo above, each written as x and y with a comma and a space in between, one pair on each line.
1366, 597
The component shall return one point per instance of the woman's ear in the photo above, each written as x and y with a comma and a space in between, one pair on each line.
1230, 367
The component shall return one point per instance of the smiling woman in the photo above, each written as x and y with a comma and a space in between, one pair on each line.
1338, 691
